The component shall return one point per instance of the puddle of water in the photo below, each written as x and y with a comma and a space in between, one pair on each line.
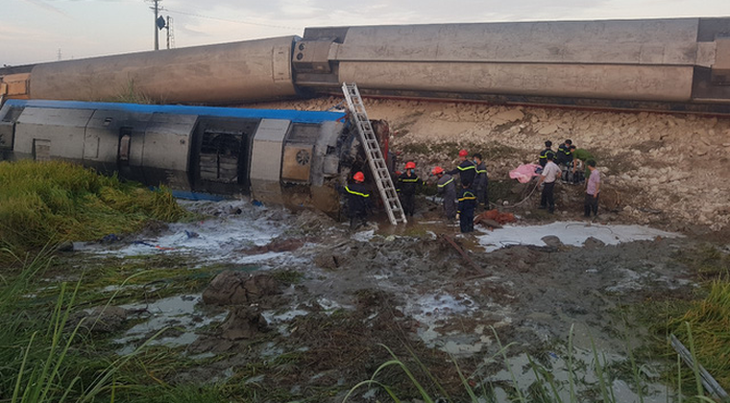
570, 233
584, 377
176, 312
433, 311
281, 320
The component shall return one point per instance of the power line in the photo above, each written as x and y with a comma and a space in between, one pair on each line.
229, 20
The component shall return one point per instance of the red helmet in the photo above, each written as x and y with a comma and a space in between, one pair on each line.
410, 165
437, 170
359, 177
463, 153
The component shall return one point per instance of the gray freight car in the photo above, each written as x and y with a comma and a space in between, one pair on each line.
664, 64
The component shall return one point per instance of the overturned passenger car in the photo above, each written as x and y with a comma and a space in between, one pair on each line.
281, 156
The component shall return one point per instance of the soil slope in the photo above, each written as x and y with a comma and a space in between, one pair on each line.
663, 169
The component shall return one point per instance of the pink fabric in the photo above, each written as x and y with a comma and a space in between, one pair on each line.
524, 173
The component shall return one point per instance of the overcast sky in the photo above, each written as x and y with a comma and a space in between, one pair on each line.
34, 31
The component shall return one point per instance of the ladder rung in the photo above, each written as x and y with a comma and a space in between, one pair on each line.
374, 154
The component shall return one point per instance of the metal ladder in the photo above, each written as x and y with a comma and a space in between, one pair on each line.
374, 155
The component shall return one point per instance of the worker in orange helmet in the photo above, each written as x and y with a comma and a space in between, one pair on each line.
447, 189
467, 170
408, 185
358, 200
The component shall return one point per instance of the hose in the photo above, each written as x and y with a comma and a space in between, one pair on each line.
521, 201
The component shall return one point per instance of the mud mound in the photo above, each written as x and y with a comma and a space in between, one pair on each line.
236, 288
243, 322
313, 222
102, 319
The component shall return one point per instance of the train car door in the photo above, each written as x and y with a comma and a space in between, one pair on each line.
220, 162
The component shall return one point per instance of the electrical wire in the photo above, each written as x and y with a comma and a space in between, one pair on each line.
229, 20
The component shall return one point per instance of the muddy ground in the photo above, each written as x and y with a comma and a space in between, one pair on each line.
301, 308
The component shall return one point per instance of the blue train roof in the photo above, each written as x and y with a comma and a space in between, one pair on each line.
283, 114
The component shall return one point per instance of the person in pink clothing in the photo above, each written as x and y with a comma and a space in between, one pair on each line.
593, 188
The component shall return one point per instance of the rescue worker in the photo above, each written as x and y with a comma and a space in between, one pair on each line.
358, 200
466, 169
549, 175
408, 184
593, 189
580, 156
467, 204
447, 189
481, 182
564, 159
547, 151
564, 155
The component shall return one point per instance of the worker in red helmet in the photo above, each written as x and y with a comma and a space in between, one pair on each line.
408, 185
447, 189
466, 170
358, 200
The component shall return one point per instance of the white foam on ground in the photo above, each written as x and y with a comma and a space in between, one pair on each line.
430, 310
363, 236
572, 233
220, 238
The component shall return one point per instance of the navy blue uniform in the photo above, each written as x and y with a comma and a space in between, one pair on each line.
481, 185
358, 203
564, 156
543, 156
407, 187
446, 187
467, 204
466, 170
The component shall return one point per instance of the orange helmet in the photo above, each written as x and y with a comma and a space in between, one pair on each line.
437, 170
359, 177
463, 153
410, 165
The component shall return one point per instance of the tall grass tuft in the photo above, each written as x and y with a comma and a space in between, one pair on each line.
42, 357
53, 201
709, 320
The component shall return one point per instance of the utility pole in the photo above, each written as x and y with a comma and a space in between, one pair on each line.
157, 23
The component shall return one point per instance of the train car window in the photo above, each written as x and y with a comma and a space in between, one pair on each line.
41, 150
12, 114
305, 133
219, 156
125, 137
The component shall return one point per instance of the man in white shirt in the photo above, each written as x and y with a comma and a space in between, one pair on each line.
549, 175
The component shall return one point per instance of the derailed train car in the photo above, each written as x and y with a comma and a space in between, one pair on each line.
662, 64
281, 156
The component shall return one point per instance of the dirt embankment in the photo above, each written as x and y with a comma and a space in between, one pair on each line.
665, 169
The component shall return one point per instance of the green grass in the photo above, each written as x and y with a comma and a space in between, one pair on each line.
709, 320
131, 94
50, 202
